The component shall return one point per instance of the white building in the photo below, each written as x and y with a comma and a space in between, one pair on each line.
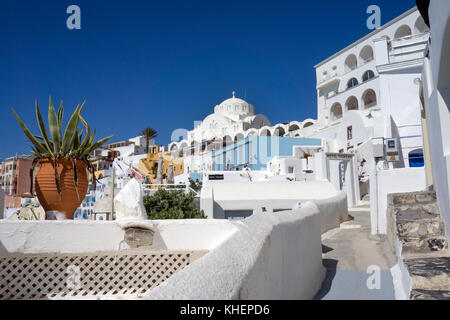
368, 92
233, 120
436, 99
130, 151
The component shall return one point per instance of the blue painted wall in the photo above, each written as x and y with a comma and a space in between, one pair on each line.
255, 151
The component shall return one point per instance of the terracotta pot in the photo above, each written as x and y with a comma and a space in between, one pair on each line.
46, 190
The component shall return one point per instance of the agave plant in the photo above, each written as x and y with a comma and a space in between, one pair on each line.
71, 144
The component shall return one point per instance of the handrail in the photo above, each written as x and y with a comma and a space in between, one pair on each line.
180, 187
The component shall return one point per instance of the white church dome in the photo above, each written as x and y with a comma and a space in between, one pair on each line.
235, 108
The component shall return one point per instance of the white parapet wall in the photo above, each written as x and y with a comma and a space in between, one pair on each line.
94, 236
220, 200
37, 258
383, 182
270, 256
267, 256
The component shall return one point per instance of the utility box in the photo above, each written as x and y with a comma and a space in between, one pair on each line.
392, 146
378, 150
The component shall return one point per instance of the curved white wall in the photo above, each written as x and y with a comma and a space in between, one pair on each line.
270, 256
93, 236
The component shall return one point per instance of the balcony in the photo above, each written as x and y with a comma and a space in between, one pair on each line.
328, 80
408, 48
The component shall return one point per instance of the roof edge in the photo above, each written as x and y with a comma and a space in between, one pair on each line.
384, 26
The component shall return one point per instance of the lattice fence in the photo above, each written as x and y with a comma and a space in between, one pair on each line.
125, 274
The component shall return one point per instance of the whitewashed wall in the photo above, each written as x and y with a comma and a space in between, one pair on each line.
92, 236
2, 203
436, 85
219, 197
270, 256
383, 182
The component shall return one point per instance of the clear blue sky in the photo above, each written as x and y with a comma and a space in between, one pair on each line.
165, 64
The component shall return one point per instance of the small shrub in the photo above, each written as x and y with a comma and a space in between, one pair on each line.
173, 204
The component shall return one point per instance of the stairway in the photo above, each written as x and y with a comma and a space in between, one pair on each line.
420, 228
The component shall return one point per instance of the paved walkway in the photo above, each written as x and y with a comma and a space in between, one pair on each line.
347, 253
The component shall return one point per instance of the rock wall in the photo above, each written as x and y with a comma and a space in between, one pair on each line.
416, 234
415, 219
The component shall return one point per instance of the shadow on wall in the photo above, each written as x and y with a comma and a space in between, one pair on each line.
2, 248
331, 266
396, 133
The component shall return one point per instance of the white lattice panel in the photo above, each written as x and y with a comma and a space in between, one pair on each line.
125, 274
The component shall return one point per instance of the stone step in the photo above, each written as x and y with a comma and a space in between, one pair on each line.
419, 294
420, 227
429, 273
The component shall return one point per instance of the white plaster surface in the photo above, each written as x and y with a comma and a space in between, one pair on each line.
436, 86
216, 198
270, 256
401, 277
383, 182
93, 236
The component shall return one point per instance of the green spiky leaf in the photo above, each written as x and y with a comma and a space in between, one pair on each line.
39, 146
54, 128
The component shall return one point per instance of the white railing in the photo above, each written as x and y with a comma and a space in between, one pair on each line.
148, 188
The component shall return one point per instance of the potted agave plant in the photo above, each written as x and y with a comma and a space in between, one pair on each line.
63, 159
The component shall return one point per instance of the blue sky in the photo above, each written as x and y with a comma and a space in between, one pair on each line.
165, 64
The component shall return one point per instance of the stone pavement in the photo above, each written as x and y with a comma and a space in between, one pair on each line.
348, 251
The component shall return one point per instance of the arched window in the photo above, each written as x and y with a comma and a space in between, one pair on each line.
366, 54
420, 26
336, 112
265, 132
352, 103
351, 83
351, 63
402, 31
368, 75
369, 98
415, 158
239, 137
293, 127
226, 141
308, 124
279, 132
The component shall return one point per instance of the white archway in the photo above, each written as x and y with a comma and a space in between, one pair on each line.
251, 132
366, 54
420, 26
351, 103
279, 131
402, 31
239, 136
308, 123
294, 126
369, 98
336, 111
351, 63
173, 146
265, 131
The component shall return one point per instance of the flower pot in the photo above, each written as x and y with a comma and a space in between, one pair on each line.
67, 201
